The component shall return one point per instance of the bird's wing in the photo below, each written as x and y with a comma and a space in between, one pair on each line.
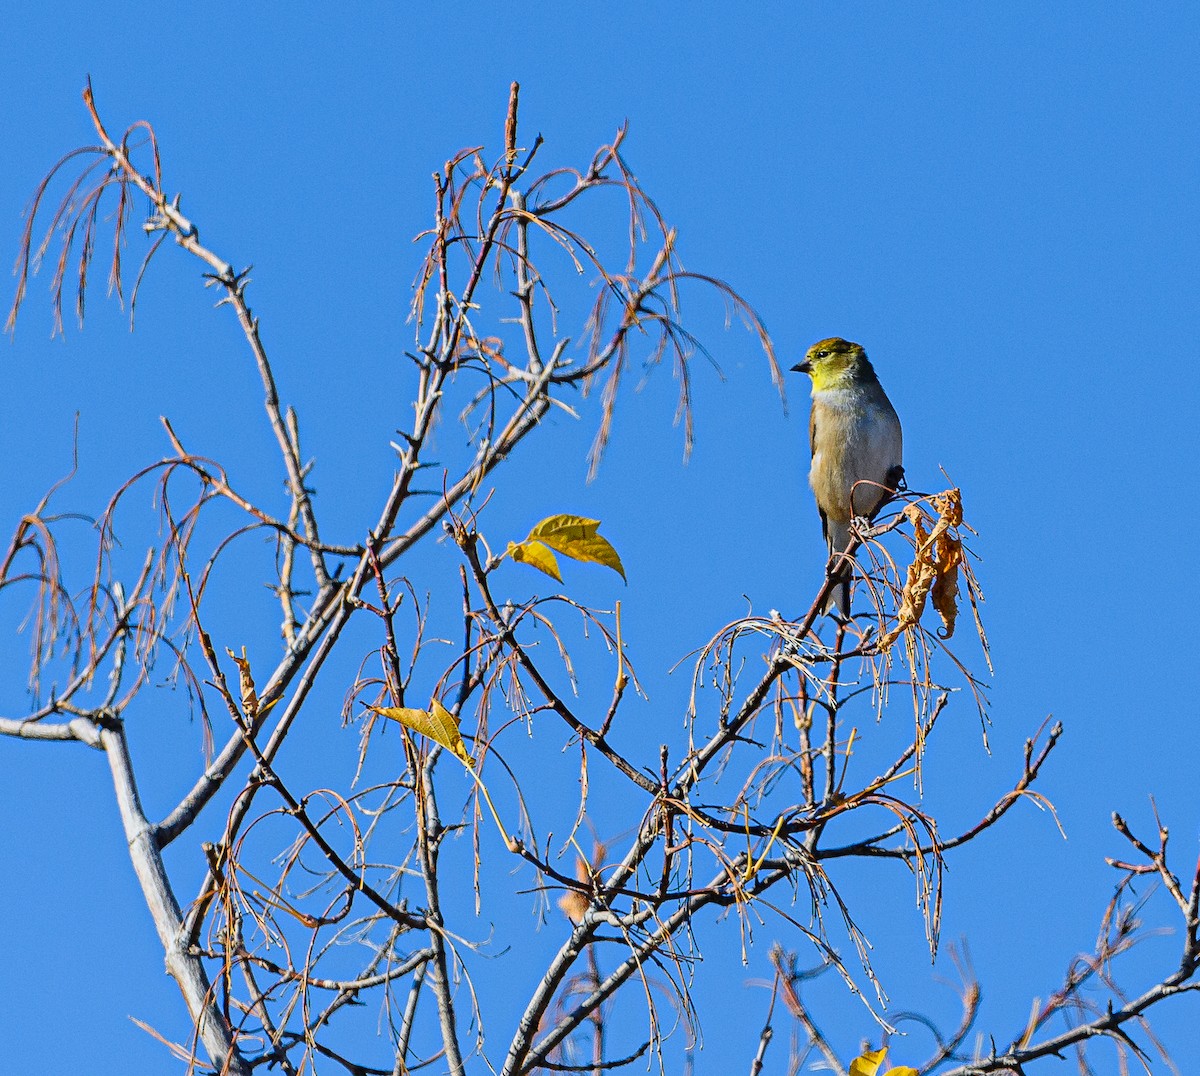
812, 448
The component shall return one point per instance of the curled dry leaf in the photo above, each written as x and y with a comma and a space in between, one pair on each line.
245, 684
937, 558
574, 903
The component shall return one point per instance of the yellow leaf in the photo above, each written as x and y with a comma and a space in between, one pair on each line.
537, 555
438, 723
868, 1064
577, 538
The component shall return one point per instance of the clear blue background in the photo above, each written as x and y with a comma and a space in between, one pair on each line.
998, 200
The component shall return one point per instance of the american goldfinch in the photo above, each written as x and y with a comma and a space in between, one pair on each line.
856, 443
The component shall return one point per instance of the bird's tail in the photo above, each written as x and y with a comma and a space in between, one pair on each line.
838, 603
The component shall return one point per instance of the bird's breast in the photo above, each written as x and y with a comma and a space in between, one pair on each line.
854, 441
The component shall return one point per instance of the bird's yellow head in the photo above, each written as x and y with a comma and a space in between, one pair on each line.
834, 362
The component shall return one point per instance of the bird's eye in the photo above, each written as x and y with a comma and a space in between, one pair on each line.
822, 354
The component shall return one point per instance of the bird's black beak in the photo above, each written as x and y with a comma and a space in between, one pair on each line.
804, 367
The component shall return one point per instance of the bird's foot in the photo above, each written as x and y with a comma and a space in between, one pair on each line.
861, 526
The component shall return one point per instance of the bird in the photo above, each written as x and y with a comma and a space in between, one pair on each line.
857, 447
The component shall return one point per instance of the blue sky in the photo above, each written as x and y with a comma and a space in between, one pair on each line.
998, 201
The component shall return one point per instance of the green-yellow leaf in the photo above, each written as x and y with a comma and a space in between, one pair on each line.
536, 554
870, 1063
438, 723
577, 538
